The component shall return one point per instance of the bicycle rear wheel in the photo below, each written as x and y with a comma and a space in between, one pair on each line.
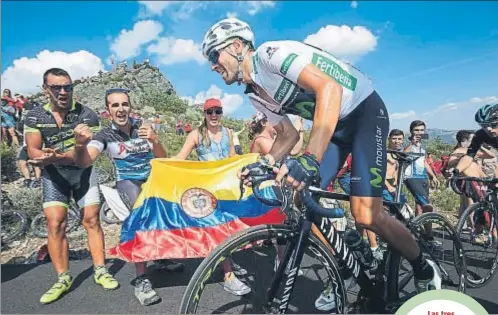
481, 254
39, 225
236, 246
446, 257
14, 224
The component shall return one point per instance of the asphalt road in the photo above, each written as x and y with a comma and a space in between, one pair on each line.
22, 286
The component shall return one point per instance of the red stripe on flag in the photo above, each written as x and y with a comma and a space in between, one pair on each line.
186, 243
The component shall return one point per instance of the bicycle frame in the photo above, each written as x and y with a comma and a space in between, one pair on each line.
338, 245
334, 240
489, 201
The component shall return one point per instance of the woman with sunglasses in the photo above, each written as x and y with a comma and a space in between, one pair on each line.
214, 142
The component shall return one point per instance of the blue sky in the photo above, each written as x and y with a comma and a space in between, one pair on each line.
435, 61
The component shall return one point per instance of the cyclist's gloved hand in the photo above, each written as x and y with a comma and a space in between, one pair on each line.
259, 168
302, 171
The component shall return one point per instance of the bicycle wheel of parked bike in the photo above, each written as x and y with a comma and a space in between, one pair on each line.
449, 258
14, 224
205, 292
107, 215
474, 228
39, 225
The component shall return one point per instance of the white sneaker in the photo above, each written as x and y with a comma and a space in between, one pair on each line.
236, 287
326, 300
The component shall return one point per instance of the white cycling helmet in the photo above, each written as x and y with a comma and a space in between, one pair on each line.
219, 35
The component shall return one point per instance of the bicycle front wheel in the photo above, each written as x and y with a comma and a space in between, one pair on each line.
250, 248
439, 243
475, 228
39, 225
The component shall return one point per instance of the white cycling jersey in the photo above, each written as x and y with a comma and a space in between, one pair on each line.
276, 68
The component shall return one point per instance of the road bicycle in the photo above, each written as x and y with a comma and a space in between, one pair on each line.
14, 222
379, 287
482, 216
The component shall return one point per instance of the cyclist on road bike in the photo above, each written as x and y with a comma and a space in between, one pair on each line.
131, 147
51, 126
290, 77
487, 118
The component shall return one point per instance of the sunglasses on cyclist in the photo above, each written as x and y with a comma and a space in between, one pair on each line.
58, 88
217, 111
214, 56
490, 125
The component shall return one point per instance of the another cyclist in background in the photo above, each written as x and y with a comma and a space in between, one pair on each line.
51, 127
464, 138
131, 147
418, 173
487, 118
214, 142
290, 77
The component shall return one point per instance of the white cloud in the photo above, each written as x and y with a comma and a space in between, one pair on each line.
354, 4
451, 106
231, 14
180, 10
451, 116
129, 42
344, 41
156, 7
172, 50
403, 115
189, 7
27, 73
231, 102
256, 6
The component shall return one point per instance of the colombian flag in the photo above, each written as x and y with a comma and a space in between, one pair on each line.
188, 208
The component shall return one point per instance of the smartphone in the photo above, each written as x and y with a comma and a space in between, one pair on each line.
424, 136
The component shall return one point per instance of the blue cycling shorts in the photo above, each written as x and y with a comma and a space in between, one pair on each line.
363, 132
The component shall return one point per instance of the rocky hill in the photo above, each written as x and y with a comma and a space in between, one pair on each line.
141, 79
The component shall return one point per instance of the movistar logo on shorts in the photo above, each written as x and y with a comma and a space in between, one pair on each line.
333, 70
283, 89
376, 182
287, 63
379, 152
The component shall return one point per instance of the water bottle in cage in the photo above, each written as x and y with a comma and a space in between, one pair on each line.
361, 248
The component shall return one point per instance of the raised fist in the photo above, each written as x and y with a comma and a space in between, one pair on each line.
82, 135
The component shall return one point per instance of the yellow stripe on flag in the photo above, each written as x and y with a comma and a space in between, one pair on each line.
170, 178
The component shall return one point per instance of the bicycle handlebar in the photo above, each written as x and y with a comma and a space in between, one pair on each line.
305, 195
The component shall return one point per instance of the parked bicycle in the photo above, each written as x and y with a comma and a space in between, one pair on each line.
379, 285
14, 222
39, 225
480, 217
